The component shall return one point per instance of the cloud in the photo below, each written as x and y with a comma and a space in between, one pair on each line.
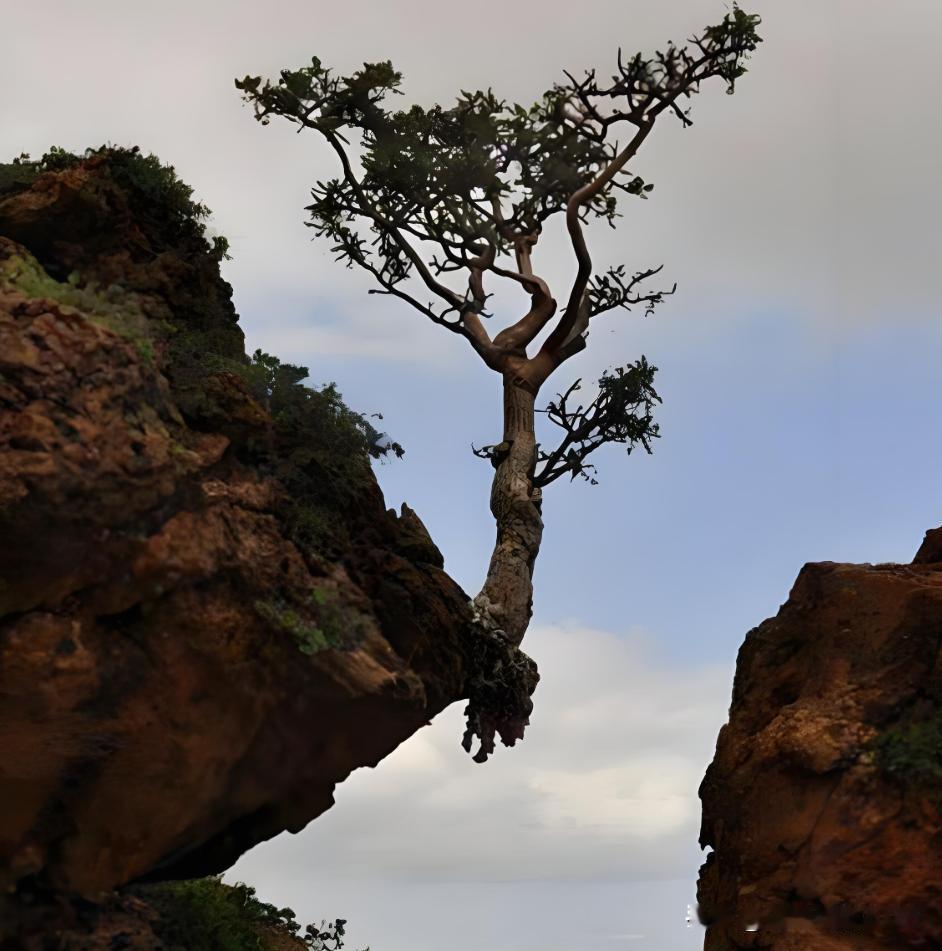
320, 327
604, 786
782, 194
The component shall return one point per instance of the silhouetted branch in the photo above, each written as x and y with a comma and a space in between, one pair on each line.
612, 289
479, 180
621, 412
647, 87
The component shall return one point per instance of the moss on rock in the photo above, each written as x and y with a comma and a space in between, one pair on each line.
912, 751
113, 307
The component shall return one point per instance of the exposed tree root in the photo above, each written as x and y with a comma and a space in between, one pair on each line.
499, 687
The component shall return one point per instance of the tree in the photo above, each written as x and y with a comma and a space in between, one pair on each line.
450, 200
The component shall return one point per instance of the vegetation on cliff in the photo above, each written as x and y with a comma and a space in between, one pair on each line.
305, 436
208, 617
158, 199
205, 914
912, 751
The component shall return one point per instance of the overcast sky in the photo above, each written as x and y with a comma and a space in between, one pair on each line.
798, 366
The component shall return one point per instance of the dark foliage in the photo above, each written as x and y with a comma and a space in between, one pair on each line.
479, 181
500, 688
444, 175
434, 171
320, 452
158, 198
621, 412
203, 914
313, 416
912, 751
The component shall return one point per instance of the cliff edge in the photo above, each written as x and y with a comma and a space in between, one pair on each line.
207, 616
823, 805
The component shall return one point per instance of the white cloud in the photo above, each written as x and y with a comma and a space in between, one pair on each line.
785, 195
643, 800
358, 326
603, 786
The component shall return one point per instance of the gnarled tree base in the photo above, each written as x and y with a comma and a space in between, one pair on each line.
500, 684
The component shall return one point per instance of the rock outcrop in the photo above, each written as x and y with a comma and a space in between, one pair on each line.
207, 616
823, 805
199, 915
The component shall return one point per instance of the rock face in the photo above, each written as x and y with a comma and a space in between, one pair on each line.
207, 616
823, 805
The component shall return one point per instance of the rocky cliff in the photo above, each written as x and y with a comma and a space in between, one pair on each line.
823, 805
207, 616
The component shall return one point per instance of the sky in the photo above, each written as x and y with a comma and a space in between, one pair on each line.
798, 368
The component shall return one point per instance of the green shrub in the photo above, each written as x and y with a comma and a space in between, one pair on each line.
309, 637
112, 307
317, 413
913, 751
322, 449
317, 624
203, 914
157, 196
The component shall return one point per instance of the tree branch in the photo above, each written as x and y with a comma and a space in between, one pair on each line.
562, 332
370, 211
520, 334
622, 412
429, 175
611, 290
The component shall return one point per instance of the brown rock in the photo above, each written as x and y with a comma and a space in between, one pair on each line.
930, 551
823, 805
157, 918
414, 540
183, 671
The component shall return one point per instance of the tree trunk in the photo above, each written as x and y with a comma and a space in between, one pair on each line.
505, 602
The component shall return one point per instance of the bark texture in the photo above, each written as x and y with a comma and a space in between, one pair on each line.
502, 678
507, 596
